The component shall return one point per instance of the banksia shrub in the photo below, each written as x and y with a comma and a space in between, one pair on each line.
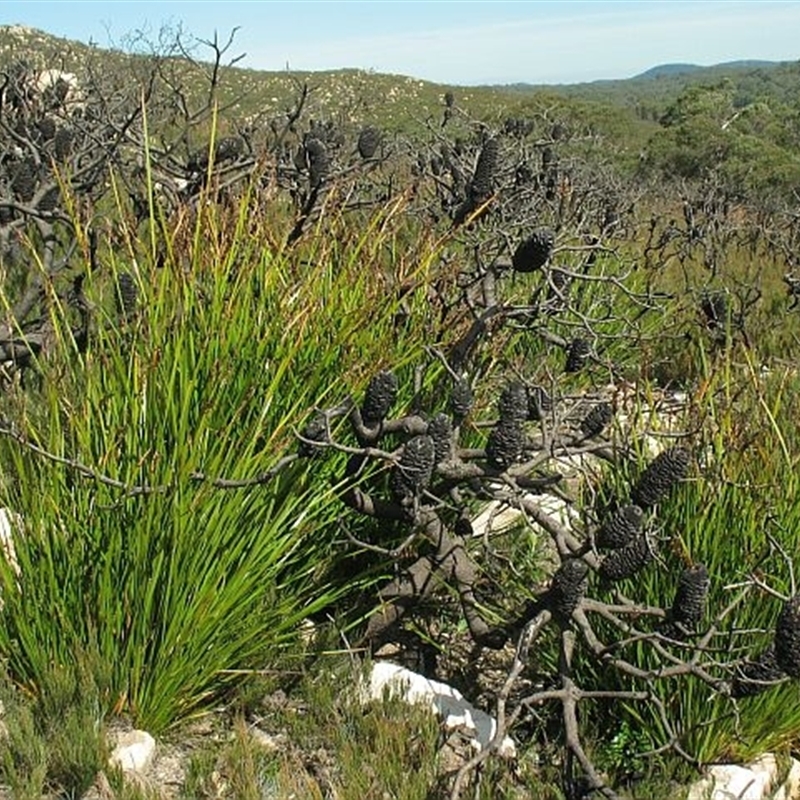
505, 444
513, 403
533, 253
597, 419
440, 429
754, 676
461, 398
369, 141
627, 561
315, 430
620, 529
664, 471
379, 398
482, 183
412, 475
539, 403
787, 637
568, 587
577, 355
318, 162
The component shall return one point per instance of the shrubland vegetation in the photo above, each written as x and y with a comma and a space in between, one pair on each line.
271, 342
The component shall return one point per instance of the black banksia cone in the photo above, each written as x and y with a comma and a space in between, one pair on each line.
461, 398
23, 180
228, 148
513, 403
505, 444
127, 295
664, 471
482, 183
46, 128
577, 355
754, 676
50, 199
787, 637
368, 142
413, 472
689, 604
315, 430
62, 144
379, 398
596, 420
568, 587
532, 253
318, 161
627, 561
449, 99
539, 403
440, 429
620, 529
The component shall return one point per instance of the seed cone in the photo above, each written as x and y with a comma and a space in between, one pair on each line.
664, 471
505, 444
318, 161
714, 306
577, 355
627, 561
597, 419
539, 403
481, 186
23, 180
127, 295
620, 528
533, 253
689, 604
787, 637
228, 148
755, 676
568, 587
513, 403
62, 144
413, 473
461, 398
368, 142
379, 398
440, 429
316, 429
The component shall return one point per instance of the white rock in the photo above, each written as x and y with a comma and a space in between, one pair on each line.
456, 712
754, 782
134, 751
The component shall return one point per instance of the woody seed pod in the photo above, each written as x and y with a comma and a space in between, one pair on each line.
505, 444
532, 253
413, 472
597, 419
315, 430
379, 398
620, 528
664, 471
577, 355
787, 637
440, 429
568, 587
754, 676
461, 398
627, 561
368, 142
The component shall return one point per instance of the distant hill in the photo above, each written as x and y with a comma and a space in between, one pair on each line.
670, 70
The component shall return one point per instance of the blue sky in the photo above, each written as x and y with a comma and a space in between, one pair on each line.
451, 41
